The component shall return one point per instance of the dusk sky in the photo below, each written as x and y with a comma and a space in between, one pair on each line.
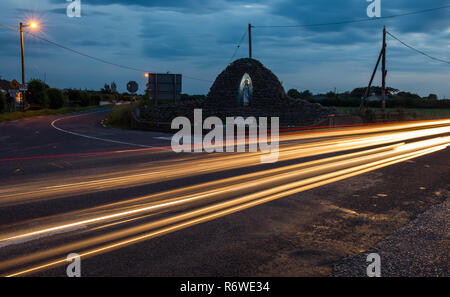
198, 38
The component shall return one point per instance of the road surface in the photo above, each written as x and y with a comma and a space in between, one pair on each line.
129, 206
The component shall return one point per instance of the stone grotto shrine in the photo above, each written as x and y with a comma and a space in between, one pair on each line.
245, 88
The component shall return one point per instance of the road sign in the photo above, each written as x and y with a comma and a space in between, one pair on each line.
13, 93
16, 94
164, 86
14, 84
132, 87
23, 87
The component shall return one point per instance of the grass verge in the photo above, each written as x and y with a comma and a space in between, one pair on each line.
396, 114
11, 116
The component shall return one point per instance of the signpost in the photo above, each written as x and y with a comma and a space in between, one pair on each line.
23, 87
16, 93
132, 87
164, 86
14, 84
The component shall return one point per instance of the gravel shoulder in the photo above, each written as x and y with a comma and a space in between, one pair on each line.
421, 248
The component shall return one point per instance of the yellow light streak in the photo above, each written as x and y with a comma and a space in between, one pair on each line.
357, 164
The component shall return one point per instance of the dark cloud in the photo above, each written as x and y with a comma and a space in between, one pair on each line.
200, 36
9, 41
324, 11
63, 11
190, 6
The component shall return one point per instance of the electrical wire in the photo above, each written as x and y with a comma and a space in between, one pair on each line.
416, 50
8, 27
356, 21
85, 55
92, 57
238, 46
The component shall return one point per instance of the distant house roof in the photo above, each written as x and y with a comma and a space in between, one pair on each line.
373, 98
4, 85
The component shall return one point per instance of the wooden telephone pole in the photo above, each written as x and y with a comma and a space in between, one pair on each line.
250, 41
383, 72
382, 58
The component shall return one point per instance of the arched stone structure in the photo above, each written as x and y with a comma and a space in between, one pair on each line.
264, 87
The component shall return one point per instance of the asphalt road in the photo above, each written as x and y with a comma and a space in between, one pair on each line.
135, 208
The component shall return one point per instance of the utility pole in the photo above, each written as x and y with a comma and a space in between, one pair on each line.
382, 58
32, 25
23, 55
23, 65
383, 73
367, 93
250, 41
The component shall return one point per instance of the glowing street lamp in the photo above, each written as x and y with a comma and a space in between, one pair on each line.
32, 25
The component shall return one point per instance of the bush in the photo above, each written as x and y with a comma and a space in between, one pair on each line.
37, 93
85, 98
55, 98
74, 97
120, 116
293, 93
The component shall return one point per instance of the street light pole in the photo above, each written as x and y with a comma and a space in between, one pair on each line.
23, 65
23, 55
32, 25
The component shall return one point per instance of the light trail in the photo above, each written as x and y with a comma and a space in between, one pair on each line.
228, 196
289, 150
209, 217
229, 184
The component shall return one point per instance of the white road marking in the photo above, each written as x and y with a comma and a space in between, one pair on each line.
93, 137
163, 138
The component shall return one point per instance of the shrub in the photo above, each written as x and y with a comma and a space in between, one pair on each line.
74, 97
85, 98
55, 98
37, 93
293, 93
120, 116
95, 99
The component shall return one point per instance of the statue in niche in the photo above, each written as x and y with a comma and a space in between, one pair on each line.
246, 97
245, 91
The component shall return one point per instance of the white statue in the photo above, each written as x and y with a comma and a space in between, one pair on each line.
246, 93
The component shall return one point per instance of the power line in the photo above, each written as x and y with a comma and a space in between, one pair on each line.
356, 21
92, 57
416, 50
102, 60
238, 46
85, 55
8, 27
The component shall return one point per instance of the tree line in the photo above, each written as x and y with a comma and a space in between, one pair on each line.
395, 98
40, 95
